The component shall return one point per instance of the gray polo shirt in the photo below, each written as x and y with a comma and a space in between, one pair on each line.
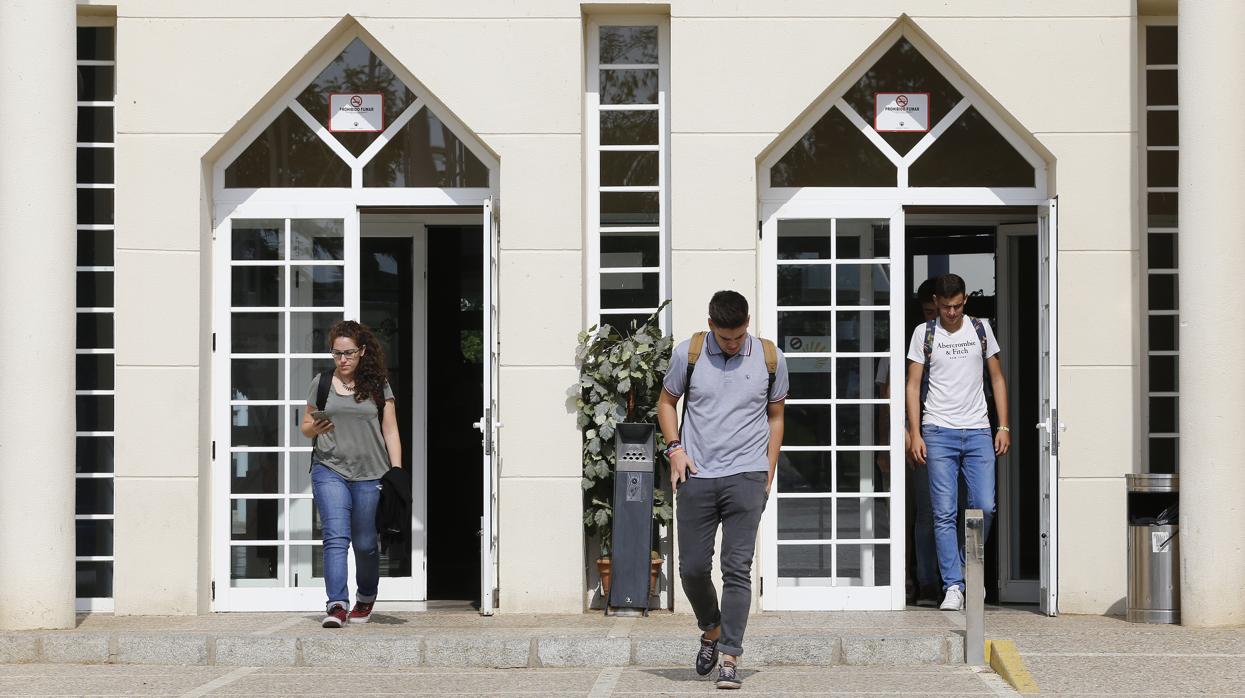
726, 426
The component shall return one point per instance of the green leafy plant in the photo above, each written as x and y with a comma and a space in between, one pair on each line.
619, 381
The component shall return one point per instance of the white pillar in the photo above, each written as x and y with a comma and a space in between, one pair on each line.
1212, 334
37, 248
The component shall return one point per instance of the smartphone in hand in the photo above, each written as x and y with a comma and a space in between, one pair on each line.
320, 416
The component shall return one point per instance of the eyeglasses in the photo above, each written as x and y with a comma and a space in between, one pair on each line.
349, 354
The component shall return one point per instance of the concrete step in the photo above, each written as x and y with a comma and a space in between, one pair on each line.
486, 651
503, 641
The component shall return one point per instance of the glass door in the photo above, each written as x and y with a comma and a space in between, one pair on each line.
284, 276
831, 538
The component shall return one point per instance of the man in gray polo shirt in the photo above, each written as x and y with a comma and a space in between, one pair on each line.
721, 467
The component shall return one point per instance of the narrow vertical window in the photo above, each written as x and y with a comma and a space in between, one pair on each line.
627, 166
95, 386
1161, 199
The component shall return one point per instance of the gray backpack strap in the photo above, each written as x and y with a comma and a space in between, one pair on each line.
929, 352
981, 335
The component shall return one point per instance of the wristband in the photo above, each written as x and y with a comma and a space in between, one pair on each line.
672, 447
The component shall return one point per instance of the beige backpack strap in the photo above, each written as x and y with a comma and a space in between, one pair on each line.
693, 350
771, 364
771, 356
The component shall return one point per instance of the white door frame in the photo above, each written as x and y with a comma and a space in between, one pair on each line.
489, 425
414, 588
1050, 426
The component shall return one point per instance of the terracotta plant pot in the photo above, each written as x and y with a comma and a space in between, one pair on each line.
603, 570
652, 579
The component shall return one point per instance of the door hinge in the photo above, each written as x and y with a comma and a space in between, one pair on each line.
213, 450
761, 592
213, 589
760, 234
213, 341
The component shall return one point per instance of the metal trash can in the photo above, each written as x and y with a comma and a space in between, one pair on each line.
631, 540
1153, 548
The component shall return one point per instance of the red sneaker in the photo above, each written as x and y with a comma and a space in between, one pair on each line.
361, 612
335, 618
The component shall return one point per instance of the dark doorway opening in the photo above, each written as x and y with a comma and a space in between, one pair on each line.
1003, 289
451, 295
455, 394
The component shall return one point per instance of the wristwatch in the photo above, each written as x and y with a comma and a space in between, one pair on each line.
1004, 427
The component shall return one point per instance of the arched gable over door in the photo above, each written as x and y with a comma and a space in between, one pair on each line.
969, 150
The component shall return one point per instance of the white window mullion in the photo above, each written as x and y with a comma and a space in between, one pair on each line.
324, 135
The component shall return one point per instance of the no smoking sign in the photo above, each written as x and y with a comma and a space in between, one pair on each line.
903, 112
358, 113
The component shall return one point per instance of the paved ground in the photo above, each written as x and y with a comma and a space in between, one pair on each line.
1069, 655
1096, 655
76, 680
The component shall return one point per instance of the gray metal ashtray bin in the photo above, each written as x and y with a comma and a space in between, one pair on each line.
632, 532
1153, 548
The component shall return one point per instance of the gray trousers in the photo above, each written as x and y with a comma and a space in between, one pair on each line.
735, 502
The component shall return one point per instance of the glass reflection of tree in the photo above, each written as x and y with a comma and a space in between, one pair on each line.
628, 45
425, 153
287, 154
833, 153
629, 86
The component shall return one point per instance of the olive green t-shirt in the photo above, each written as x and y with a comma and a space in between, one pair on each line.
355, 448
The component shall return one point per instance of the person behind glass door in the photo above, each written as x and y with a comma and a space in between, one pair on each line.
929, 583
924, 587
351, 451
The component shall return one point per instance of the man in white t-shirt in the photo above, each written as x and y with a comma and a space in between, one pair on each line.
949, 422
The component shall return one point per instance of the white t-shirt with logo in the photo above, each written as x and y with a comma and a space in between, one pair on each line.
956, 398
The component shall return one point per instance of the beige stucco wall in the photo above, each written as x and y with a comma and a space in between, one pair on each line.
513, 73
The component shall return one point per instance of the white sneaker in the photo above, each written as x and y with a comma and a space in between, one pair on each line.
954, 600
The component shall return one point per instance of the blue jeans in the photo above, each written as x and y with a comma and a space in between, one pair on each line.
347, 515
948, 452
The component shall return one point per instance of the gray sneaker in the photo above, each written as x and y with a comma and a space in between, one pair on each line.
728, 677
707, 656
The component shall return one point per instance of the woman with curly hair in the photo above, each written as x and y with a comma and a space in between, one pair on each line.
355, 442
